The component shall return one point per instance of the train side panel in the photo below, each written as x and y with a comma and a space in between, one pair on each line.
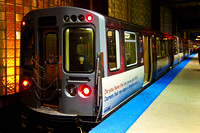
163, 61
162, 66
123, 85
125, 65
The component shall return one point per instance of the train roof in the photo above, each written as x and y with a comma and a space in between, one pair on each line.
60, 12
110, 22
120, 24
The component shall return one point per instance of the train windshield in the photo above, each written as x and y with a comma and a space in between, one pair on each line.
79, 50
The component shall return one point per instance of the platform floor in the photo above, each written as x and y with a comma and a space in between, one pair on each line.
170, 105
177, 109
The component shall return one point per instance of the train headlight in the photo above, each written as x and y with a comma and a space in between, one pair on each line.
84, 90
72, 89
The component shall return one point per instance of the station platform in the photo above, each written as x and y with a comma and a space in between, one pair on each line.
171, 104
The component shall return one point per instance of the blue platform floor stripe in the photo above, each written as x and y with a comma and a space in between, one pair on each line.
121, 120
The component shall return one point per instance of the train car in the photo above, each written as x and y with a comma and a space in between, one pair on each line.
186, 48
175, 44
181, 50
164, 54
190, 43
78, 66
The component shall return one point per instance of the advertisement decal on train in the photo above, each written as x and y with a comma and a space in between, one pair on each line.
118, 87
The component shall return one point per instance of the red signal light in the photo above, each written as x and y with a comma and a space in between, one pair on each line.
25, 83
89, 18
85, 90
23, 23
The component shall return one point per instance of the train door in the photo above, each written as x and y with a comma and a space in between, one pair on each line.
49, 74
147, 59
79, 71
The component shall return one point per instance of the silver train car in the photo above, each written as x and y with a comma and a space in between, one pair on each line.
78, 66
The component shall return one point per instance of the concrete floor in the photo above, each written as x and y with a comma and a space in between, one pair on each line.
177, 109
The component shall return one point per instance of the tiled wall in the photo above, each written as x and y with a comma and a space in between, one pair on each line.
166, 20
118, 9
140, 12
11, 14
134, 11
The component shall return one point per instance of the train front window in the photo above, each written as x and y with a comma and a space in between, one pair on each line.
79, 50
27, 45
51, 51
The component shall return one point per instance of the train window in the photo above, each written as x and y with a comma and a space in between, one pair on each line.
175, 47
79, 50
181, 46
158, 47
47, 21
113, 49
167, 46
163, 48
27, 48
186, 46
51, 50
131, 48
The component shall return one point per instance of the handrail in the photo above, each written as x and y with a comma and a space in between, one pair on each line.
45, 78
37, 85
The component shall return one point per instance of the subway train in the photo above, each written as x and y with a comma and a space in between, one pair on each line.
78, 66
